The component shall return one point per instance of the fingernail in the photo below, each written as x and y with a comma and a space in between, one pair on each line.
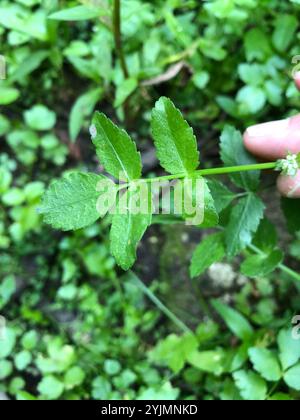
294, 192
289, 186
297, 75
297, 79
275, 128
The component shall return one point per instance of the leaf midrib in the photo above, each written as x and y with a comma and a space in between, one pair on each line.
173, 136
241, 219
116, 154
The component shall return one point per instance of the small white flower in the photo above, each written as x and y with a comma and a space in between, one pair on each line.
288, 166
93, 131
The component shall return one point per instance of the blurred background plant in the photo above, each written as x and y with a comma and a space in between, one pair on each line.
78, 328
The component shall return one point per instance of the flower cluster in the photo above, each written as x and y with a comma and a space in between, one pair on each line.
290, 165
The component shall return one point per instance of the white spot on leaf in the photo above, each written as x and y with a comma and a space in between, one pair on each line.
93, 131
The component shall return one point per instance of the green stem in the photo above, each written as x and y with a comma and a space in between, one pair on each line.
282, 267
234, 169
208, 172
160, 305
118, 37
290, 272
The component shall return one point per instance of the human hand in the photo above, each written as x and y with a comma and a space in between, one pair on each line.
273, 140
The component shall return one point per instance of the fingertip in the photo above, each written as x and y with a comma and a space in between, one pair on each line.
289, 186
267, 140
253, 141
273, 140
297, 79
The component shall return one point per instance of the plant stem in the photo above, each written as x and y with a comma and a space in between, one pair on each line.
289, 271
118, 37
208, 172
160, 305
234, 169
216, 171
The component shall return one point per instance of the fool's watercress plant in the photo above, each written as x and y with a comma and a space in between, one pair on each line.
73, 202
259, 366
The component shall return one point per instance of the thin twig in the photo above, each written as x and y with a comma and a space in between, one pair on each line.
118, 37
160, 305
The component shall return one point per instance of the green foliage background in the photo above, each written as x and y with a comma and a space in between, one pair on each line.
78, 327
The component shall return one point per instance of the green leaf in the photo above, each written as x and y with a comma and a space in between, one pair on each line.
7, 288
251, 386
13, 197
89, 68
234, 153
257, 45
67, 292
78, 13
115, 149
8, 95
101, 388
229, 105
112, 367
29, 340
244, 221
71, 202
211, 217
252, 74
251, 99
50, 387
124, 90
266, 236
16, 385
208, 361
265, 363
82, 109
274, 92
7, 345
74, 377
210, 250
222, 196
164, 392
289, 349
174, 350
40, 118
236, 322
285, 29
174, 140
127, 230
292, 377
198, 204
6, 369
280, 396
23, 359
31, 63
262, 264
4, 125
